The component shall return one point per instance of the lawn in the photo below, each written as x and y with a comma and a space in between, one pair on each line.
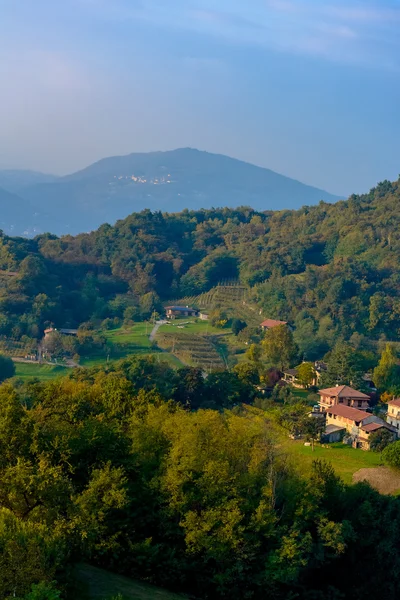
97, 584
41, 372
122, 342
129, 341
345, 460
194, 326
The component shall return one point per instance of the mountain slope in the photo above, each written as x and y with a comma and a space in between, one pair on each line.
112, 188
15, 180
17, 215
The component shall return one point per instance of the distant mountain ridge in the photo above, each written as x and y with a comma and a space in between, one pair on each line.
15, 180
171, 181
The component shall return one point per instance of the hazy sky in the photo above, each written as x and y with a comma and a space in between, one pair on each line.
309, 88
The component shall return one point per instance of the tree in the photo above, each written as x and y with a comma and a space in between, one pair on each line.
279, 346
254, 353
345, 367
380, 439
218, 318
391, 455
248, 373
306, 374
312, 428
7, 368
238, 326
387, 374
53, 343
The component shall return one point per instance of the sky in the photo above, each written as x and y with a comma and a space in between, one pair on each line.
308, 88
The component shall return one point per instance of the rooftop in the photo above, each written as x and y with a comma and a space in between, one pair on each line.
348, 413
182, 308
271, 323
292, 372
369, 427
395, 402
343, 391
333, 429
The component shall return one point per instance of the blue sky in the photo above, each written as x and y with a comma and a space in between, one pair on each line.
308, 88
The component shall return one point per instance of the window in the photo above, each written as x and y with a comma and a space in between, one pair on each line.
359, 403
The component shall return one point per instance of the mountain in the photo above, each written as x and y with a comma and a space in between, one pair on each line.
15, 180
18, 216
114, 187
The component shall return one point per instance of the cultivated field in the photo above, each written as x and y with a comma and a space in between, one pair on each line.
192, 349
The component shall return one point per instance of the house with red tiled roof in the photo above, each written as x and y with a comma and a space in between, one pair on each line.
358, 424
393, 414
343, 394
271, 323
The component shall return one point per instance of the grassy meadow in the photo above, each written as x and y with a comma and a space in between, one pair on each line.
41, 372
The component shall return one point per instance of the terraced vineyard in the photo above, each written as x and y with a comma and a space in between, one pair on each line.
195, 350
231, 298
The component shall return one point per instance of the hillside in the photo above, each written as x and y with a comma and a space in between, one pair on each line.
171, 181
330, 270
17, 215
15, 180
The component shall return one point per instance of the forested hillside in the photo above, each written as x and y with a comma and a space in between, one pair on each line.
113, 467
330, 270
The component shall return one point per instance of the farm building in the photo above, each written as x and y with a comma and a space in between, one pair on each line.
173, 312
270, 324
50, 330
333, 433
203, 316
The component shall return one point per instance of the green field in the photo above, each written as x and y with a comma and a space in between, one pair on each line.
42, 372
97, 584
194, 326
345, 460
122, 342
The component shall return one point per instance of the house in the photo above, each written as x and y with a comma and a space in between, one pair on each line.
180, 311
393, 414
203, 316
359, 424
343, 394
290, 376
270, 324
50, 330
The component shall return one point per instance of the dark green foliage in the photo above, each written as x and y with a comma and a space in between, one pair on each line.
112, 466
391, 455
237, 326
345, 367
379, 440
7, 368
331, 270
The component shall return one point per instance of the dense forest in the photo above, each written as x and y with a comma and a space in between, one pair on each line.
111, 466
330, 270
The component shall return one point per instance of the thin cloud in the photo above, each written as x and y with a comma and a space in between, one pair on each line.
348, 33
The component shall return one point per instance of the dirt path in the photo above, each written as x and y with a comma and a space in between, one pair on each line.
383, 479
155, 329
